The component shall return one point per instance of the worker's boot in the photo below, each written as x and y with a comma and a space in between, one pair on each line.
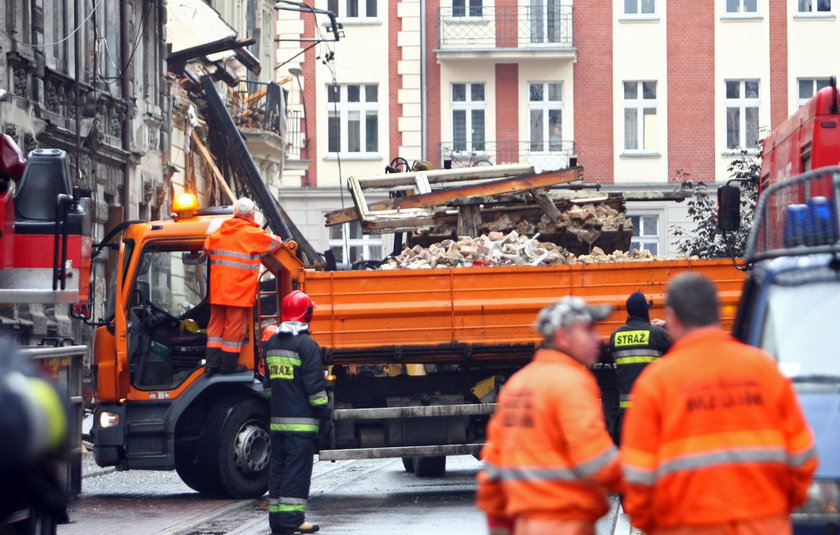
212, 361
229, 363
307, 527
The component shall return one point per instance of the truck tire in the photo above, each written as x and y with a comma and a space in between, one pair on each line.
237, 448
430, 466
408, 464
192, 473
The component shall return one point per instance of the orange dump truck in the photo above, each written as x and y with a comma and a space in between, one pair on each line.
467, 329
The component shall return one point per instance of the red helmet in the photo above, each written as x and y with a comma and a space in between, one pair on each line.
297, 306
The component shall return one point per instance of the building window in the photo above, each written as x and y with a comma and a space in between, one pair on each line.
742, 114
640, 116
353, 119
742, 6
639, 7
353, 8
546, 21
808, 87
353, 247
545, 110
814, 6
467, 8
645, 233
468, 117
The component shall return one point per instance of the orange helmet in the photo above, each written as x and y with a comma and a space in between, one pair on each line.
297, 306
267, 332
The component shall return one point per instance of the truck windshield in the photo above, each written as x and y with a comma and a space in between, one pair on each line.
173, 281
797, 329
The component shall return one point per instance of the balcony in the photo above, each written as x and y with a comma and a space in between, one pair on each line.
547, 155
544, 29
260, 114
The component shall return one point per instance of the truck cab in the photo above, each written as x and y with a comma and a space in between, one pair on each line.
156, 410
788, 306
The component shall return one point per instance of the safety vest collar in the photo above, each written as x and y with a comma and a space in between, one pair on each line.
702, 336
552, 355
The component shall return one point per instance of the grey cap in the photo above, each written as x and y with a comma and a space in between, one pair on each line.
567, 311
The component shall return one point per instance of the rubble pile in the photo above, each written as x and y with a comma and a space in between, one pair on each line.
498, 249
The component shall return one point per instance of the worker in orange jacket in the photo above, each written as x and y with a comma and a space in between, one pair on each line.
549, 461
715, 441
235, 251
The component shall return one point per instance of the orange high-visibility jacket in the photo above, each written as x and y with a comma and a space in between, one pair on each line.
235, 252
548, 454
715, 434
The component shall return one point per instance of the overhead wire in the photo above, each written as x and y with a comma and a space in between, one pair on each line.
65, 38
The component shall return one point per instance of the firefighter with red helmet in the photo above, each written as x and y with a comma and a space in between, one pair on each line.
300, 412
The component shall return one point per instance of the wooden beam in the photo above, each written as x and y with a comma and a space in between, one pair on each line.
436, 198
208, 161
546, 204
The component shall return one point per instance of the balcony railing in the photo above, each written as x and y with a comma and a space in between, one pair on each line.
547, 155
261, 107
543, 24
295, 134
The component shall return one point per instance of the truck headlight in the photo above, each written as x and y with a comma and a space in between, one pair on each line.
108, 419
823, 499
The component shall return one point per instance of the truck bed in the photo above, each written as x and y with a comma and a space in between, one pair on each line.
456, 314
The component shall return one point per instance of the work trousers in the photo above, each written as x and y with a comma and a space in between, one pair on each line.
777, 525
225, 335
289, 476
538, 526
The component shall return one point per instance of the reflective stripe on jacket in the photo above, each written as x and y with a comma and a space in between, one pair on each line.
633, 346
236, 252
298, 397
715, 434
548, 454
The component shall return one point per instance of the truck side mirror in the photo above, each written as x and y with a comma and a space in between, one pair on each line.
729, 208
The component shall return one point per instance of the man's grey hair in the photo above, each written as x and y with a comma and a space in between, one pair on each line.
565, 312
244, 207
694, 299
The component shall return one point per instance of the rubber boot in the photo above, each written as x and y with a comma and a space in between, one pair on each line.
229, 362
307, 527
212, 361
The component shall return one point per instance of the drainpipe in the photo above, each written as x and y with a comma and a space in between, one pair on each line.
125, 51
423, 92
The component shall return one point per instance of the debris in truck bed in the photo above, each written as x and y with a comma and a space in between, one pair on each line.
499, 249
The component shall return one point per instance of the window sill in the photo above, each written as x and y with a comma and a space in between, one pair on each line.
814, 16
730, 153
467, 20
640, 154
741, 17
358, 21
639, 18
354, 156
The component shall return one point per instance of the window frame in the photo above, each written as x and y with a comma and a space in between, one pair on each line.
814, 8
346, 245
815, 87
646, 239
742, 102
468, 9
341, 10
468, 106
546, 106
638, 13
640, 105
343, 108
742, 12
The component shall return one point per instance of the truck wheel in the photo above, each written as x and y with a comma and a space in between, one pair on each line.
430, 466
237, 448
408, 464
192, 472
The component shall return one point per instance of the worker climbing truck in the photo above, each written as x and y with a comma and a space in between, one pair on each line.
469, 328
791, 294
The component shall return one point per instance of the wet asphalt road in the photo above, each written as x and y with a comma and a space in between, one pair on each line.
347, 498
